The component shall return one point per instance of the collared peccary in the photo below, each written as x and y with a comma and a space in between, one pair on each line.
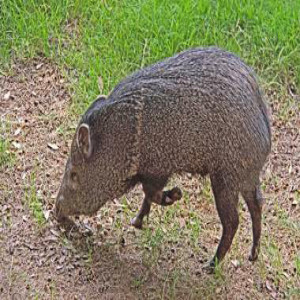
201, 112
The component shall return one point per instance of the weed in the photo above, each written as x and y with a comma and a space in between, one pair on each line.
34, 201
6, 156
297, 264
194, 228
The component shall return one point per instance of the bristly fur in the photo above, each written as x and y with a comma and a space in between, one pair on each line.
200, 111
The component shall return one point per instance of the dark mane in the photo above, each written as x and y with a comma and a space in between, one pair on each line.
93, 108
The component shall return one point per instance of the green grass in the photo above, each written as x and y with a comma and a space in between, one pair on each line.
112, 38
6, 156
92, 38
34, 201
297, 263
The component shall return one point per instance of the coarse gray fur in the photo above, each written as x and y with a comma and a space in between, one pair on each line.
200, 111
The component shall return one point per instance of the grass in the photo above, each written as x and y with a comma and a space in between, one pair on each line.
89, 39
34, 201
7, 156
112, 38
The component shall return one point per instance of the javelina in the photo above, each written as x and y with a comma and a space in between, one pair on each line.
201, 112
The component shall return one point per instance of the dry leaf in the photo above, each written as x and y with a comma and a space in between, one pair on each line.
46, 214
100, 84
274, 295
53, 146
268, 286
39, 66
236, 263
17, 131
181, 222
6, 96
54, 232
17, 145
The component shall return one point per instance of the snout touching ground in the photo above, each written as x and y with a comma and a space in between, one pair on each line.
61, 216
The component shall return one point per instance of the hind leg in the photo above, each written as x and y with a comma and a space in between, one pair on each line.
226, 199
254, 200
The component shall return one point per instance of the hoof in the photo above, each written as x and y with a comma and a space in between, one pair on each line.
137, 223
253, 256
209, 267
175, 194
171, 196
254, 253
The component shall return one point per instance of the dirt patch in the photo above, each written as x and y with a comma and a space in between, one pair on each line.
107, 258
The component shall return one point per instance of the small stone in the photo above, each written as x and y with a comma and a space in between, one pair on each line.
6, 96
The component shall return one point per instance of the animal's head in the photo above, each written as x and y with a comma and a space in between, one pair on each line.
103, 159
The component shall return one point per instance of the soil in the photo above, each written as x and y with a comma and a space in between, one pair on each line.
107, 258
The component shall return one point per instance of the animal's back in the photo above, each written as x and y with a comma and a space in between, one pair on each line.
203, 112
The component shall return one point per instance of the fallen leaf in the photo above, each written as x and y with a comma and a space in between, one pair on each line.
61, 260
295, 202
51, 239
181, 223
54, 232
6, 96
39, 66
100, 84
236, 263
268, 286
17, 131
17, 145
46, 214
274, 295
53, 146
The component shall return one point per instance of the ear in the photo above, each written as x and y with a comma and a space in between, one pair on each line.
84, 140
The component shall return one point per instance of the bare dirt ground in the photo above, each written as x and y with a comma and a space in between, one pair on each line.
107, 258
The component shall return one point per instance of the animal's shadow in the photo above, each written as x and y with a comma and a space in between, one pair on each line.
117, 269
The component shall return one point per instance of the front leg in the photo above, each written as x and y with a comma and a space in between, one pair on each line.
137, 221
171, 196
160, 197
